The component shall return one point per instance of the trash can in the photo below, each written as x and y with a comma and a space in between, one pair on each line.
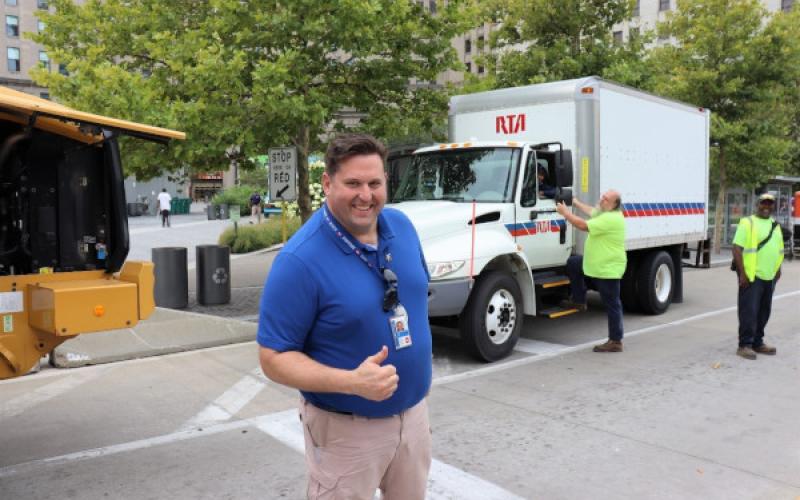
132, 210
223, 211
211, 211
213, 274
172, 277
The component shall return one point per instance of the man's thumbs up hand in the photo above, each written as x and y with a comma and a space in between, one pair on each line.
373, 381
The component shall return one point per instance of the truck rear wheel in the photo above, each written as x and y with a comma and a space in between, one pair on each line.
656, 282
492, 319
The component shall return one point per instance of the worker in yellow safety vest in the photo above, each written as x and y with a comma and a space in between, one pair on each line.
757, 257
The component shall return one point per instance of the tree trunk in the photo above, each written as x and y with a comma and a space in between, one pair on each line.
303, 196
720, 206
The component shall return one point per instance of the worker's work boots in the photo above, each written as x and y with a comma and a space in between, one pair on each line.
765, 349
746, 352
609, 346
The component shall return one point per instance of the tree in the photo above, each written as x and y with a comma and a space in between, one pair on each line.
546, 40
744, 65
251, 74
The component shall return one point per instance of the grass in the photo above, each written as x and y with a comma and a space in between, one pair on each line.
252, 237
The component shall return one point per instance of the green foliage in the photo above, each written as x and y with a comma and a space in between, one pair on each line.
561, 39
237, 195
743, 64
257, 236
252, 74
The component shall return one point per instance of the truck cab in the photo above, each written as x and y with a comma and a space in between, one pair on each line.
486, 210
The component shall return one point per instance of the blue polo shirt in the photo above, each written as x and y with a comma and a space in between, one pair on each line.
321, 299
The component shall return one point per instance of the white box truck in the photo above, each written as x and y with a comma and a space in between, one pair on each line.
495, 245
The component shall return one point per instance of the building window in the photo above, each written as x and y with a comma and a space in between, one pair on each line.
663, 5
13, 59
636, 9
786, 5
481, 43
12, 26
11, 3
467, 45
44, 60
618, 37
469, 67
432, 6
40, 26
480, 70
62, 68
42, 4
633, 34
44, 95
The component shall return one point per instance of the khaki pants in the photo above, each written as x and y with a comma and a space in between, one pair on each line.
349, 457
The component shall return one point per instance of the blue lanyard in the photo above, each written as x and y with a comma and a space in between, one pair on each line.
349, 243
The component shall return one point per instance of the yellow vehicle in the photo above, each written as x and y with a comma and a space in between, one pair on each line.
64, 229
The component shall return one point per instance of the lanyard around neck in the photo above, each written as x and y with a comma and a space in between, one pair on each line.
352, 246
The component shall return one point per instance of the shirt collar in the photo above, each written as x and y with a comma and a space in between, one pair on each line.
385, 232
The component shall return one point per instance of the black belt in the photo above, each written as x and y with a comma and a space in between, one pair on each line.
331, 410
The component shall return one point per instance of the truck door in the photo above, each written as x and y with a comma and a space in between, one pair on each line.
544, 236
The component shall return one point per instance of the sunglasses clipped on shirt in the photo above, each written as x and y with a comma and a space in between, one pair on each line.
390, 300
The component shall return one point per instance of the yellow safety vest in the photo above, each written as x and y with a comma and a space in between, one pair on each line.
750, 249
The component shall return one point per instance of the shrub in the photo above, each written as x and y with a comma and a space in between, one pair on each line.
236, 195
255, 237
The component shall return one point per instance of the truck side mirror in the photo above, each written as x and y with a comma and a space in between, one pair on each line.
564, 168
564, 195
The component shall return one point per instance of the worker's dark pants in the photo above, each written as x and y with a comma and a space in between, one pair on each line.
609, 293
165, 218
755, 306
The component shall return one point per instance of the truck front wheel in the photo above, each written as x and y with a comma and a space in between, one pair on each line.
492, 319
656, 282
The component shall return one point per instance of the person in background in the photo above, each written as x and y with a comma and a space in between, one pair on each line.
255, 206
603, 262
546, 190
164, 206
757, 257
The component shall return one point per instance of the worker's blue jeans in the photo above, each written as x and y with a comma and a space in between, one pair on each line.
755, 306
609, 293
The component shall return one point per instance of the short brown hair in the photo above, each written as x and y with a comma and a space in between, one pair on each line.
345, 146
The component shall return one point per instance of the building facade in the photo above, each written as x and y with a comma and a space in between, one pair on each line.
21, 54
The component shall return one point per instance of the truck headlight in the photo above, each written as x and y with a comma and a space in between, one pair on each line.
441, 269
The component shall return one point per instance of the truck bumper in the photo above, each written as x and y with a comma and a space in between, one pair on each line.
448, 297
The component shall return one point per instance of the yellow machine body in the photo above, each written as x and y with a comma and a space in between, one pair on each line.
40, 311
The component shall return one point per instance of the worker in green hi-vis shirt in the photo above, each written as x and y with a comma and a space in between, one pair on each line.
603, 262
757, 257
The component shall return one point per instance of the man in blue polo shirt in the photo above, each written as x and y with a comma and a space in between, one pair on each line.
344, 319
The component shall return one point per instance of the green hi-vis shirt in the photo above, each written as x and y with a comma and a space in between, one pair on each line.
767, 257
604, 254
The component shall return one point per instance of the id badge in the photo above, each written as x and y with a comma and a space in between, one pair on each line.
400, 330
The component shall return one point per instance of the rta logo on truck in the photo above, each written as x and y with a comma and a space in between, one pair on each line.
510, 124
484, 204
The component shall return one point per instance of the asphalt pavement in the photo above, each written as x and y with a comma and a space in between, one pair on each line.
676, 416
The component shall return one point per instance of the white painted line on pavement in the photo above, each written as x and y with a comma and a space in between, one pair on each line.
19, 404
538, 347
104, 451
497, 367
230, 402
445, 482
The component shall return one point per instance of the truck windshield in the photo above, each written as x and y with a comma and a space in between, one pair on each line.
480, 174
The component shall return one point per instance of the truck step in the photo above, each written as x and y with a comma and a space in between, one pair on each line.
555, 312
551, 281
